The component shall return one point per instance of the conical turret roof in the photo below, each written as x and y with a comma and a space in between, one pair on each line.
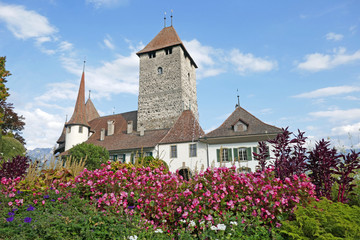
167, 37
79, 115
91, 112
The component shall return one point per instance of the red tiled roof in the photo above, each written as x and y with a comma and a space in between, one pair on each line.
254, 125
79, 115
120, 140
91, 112
167, 37
62, 136
185, 129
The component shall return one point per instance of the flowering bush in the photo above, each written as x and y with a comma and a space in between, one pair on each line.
16, 167
164, 199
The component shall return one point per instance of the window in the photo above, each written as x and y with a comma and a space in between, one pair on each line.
168, 50
225, 155
173, 151
69, 129
122, 158
148, 154
152, 54
80, 129
160, 70
193, 150
113, 157
243, 154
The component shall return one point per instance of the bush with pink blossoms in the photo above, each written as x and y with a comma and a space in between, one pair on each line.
164, 199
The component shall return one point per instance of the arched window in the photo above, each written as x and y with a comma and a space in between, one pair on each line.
185, 173
160, 70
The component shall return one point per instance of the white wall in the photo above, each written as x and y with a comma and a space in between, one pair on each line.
73, 137
183, 159
250, 164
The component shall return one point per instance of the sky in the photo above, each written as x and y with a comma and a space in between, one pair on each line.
293, 63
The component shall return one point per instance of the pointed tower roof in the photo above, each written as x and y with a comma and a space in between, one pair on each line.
167, 37
254, 125
185, 129
91, 112
79, 115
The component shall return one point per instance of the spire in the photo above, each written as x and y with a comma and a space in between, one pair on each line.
79, 115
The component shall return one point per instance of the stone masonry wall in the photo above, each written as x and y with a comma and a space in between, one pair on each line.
162, 97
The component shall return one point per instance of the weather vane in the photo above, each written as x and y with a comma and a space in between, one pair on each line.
165, 20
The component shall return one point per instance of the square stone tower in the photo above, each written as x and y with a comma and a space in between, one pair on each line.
167, 84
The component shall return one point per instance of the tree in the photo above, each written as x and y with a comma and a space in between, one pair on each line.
3, 90
95, 155
12, 123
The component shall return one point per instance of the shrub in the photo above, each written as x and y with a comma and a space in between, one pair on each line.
11, 148
94, 155
324, 220
16, 167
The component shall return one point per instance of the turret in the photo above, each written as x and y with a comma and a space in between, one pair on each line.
78, 128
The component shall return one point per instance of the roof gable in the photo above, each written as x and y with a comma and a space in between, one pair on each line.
253, 125
185, 129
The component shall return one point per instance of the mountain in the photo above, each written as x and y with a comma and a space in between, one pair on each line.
40, 154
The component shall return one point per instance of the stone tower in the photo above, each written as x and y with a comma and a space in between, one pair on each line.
167, 84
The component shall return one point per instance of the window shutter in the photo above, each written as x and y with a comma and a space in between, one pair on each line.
236, 154
248, 153
229, 154
124, 158
218, 154
268, 153
255, 150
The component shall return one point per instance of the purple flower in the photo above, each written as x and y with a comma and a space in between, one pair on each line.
27, 220
10, 219
53, 200
15, 209
131, 207
30, 208
11, 213
46, 196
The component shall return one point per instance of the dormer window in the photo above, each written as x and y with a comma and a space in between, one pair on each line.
80, 129
152, 54
160, 70
240, 127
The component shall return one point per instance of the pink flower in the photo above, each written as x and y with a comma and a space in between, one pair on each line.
185, 214
43, 202
10, 204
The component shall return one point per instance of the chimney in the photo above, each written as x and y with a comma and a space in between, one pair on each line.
102, 134
129, 127
142, 130
111, 127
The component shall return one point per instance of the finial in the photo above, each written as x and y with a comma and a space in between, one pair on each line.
189, 105
171, 16
66, 118
113, 110
89, 93
165, 20
238, 104
84, 64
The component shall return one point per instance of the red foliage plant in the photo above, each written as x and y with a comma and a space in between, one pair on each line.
16, 167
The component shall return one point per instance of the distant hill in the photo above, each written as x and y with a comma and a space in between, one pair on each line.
40, 154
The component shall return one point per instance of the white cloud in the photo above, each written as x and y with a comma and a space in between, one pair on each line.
352, 129
108, 42
42, 128
334, 36
317, 61
249, 63
26, 24
207, 58
328, 91
65, 46
338, 115
107, 3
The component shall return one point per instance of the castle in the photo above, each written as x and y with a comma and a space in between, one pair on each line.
166, 124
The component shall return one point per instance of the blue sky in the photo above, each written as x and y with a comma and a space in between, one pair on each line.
294, 63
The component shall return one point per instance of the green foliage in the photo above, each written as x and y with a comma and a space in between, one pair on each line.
324, 220
94, 155
11, 148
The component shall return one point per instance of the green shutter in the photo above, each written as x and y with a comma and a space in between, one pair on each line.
248, 153
229, 154
268, 152
218, 154
132, 158
124, 158
236, 154
255, 149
